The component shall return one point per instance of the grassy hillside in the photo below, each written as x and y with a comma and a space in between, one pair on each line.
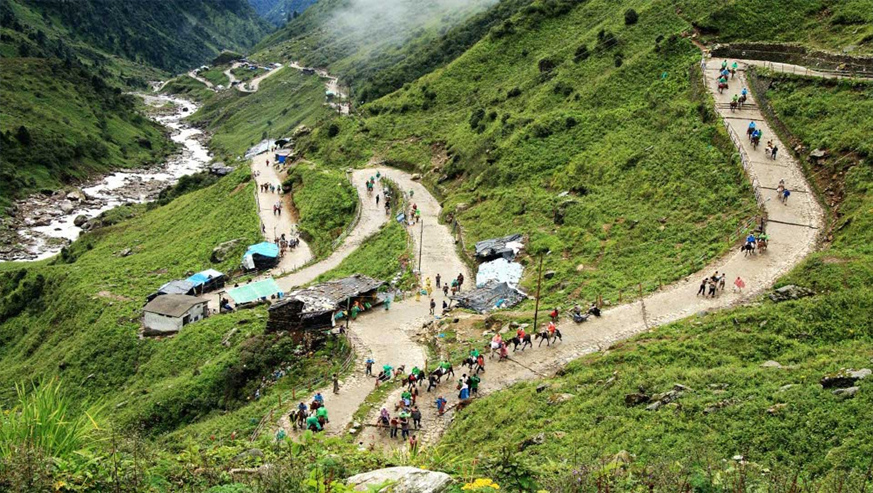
583, 132
171, 35
239, 120
61, 124
278, 12
78, 317
326, 202
776, 418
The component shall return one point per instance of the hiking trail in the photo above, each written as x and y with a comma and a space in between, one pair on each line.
387, 337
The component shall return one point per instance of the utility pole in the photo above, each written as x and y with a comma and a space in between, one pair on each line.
539, 283
348, 312
420, 246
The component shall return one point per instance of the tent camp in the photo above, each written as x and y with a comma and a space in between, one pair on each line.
207, 280
256, 291
506, 247
261, 256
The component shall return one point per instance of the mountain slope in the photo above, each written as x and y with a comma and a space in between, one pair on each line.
278, 12
173, 35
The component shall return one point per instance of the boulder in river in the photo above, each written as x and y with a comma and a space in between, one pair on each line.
76, 195
66, 206
404, 480
80, 220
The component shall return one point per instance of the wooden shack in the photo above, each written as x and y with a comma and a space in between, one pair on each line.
310, 312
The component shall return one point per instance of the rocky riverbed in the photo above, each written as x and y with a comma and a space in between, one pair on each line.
40, 225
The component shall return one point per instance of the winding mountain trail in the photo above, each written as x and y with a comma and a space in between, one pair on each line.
387, 337
193, 75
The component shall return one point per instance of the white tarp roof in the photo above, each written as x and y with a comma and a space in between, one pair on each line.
499, 270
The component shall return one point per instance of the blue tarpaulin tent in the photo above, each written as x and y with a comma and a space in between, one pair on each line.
207, 280
261, 256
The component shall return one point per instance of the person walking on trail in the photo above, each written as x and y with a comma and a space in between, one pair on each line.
335, 384
739, 284
417, 216
394, 424
427, 286
445, 307
712, 287
378, 175
474, 384
460, 281
416, 417
413, 445
438, 281
464, 393
554, 315
432, 306
445, 290
480, 364
369, 371
773, 153
702, 290
377, 200
312, 423
441, 405
431, 382
404, 427
785, 194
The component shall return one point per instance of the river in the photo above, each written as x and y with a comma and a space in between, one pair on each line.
46, 224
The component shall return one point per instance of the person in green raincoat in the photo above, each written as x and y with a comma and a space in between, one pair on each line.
474, 353
406, 395
312, 423
321, 412
445, 365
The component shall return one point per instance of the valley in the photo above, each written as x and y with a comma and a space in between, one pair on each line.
339, 164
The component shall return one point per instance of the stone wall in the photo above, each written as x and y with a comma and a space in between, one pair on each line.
795, 54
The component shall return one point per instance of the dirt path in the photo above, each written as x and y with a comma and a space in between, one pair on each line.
331, 84
789, 244
193, 75
388, 336
789, 68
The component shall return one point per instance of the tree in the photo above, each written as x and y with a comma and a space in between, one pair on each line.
23, 136
630, 17
333, 130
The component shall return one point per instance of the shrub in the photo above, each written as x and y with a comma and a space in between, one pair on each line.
333, 130
581, 54
514, 92
630, 17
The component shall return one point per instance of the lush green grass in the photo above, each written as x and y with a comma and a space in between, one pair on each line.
326, 202
78, 317
653, 187
216, 76
736, 407
380, 257
239, 120
187, 87
74, 125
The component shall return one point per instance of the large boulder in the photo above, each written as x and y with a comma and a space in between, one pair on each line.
790, 292
403, 480
66, 206
844, 378
223, 250
80, 220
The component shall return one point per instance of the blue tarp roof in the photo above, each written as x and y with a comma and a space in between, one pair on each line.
255, 291
266, 249
201, 277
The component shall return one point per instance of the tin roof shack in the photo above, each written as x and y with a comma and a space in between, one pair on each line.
207, 280
312, 309
178, 286
167, 314
506, 247
261, 256
492, 296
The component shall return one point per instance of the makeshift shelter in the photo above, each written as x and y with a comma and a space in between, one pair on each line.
283, 155
264, 290
207, 280
177, 286
313, 308
261, 256
259, 148
167, 314
283, 141
499, 270
492, 296
506, 247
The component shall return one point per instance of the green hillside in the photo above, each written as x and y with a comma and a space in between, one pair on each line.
60, 124
775, 418
170, 35
278, 12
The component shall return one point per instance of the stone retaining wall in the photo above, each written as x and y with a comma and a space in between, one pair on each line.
795, 54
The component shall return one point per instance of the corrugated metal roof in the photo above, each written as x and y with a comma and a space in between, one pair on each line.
172, 305
492, 296
178, 286
326, 296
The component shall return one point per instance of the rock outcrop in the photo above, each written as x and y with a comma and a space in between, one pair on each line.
403, 480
